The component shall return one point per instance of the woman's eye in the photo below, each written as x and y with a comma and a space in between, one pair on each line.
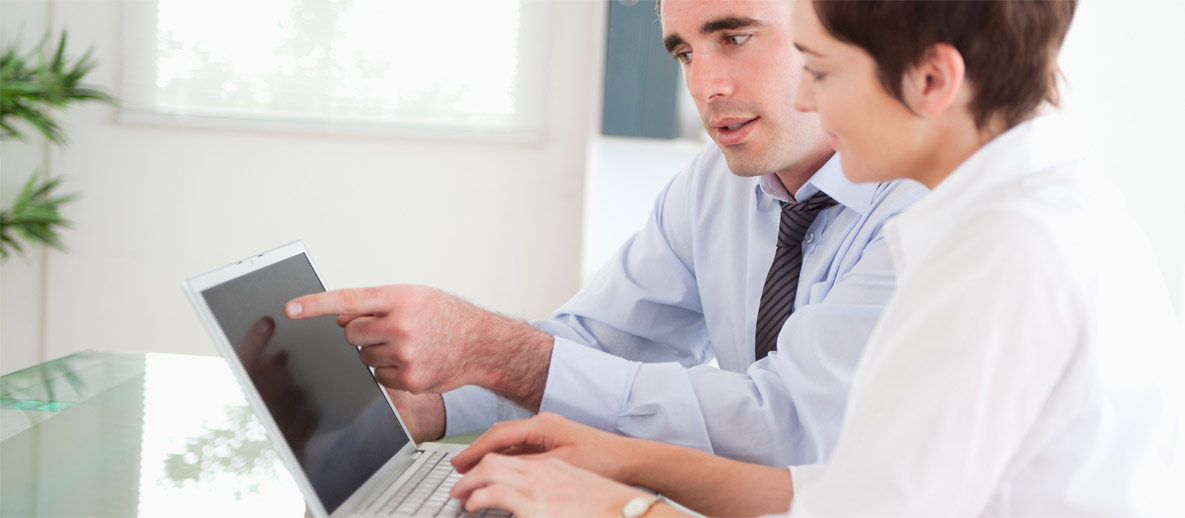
815, 74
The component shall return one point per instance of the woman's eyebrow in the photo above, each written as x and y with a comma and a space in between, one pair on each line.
803, 49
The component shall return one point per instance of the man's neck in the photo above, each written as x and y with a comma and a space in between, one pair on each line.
795, 176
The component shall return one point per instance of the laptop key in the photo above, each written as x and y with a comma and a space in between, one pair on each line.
407, 508
452, 509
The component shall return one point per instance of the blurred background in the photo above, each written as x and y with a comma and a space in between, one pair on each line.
498, 149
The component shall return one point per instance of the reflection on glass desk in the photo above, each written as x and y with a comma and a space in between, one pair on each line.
134, 434
130, 434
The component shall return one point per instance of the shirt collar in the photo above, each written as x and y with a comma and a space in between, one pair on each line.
1036, 145
829, 179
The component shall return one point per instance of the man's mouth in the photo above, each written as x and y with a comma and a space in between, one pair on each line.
733, 131
732, 124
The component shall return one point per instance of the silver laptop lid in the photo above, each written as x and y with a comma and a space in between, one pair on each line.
332, 424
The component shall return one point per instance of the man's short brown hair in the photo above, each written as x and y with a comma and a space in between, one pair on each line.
1009, 47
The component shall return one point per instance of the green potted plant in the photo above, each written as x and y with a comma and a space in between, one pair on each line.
31, 86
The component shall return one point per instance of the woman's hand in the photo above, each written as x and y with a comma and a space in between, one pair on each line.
532, 486
548, 436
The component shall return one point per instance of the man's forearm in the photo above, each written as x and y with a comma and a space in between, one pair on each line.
706, 483
516, 360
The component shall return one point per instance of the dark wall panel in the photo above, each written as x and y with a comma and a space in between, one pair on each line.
641, 79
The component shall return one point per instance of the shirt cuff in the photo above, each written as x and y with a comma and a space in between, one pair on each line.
587, 385
469, 409
805, 475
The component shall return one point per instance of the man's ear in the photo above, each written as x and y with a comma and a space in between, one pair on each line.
933, 85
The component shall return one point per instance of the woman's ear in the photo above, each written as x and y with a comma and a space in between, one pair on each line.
934, 84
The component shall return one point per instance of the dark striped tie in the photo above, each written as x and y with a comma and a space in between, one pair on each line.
781, 285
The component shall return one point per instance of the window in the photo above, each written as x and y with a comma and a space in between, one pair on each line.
452, 67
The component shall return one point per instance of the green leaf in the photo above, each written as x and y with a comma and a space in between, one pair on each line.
28, 91
34, 216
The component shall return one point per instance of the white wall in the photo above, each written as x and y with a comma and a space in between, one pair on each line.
496, 223
1123, 67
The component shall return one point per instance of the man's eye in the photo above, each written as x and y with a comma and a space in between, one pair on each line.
682, 57
737, 39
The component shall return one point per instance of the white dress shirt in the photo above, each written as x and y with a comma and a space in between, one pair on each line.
686, 289
1024, 365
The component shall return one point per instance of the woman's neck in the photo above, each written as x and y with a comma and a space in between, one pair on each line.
953, 144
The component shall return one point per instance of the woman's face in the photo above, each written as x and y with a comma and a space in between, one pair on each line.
877, 137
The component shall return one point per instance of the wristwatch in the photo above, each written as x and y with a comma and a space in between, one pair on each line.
640, 506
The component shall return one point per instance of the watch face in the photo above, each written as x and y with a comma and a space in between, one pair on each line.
635, 507
638, 506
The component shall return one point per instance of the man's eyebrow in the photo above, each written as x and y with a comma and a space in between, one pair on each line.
728, 23
672, 41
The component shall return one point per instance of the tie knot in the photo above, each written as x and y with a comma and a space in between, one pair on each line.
814, 205
797, 217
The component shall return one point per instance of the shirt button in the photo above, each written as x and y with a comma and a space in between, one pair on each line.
810, 236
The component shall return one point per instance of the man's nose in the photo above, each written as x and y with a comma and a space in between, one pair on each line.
709, 78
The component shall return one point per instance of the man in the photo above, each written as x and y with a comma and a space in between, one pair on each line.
746, 233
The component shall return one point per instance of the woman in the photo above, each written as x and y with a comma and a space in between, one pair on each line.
1022, 366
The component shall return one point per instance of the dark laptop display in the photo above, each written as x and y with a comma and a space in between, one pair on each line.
327, 405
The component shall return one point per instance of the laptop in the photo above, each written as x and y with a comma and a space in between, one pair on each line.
331, 423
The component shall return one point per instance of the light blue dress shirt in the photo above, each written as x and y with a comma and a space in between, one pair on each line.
686, 289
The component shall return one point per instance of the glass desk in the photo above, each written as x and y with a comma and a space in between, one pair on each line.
134, 434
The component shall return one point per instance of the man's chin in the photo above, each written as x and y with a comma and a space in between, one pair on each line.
745, 164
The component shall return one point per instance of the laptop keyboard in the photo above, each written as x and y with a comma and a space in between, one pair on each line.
426, 492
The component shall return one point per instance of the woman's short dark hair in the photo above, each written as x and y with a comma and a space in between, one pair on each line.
1009, 47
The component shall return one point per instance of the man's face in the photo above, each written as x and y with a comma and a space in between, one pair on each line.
741, 69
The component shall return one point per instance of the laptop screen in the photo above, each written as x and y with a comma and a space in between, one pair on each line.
328, 406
